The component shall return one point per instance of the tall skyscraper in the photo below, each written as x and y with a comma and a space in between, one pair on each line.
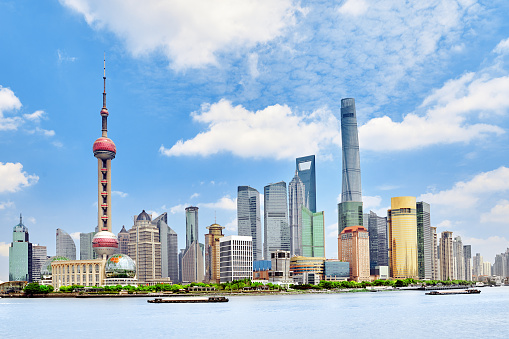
458, 259
212, 272
305, 167
123, 241
86, 249
378, 252
446, 256
169, 247
39, 256
313, 234
276, 229
145, 248
403, 238
435, 266
105, 242
353, 247
350, 207
248, 217
477, 265
296, 197
467, 253
65, 245
20, 254
191, 225
424, 241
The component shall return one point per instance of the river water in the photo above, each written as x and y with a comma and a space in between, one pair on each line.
395, 314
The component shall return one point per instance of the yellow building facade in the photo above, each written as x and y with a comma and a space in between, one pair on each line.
402, 220
78, 272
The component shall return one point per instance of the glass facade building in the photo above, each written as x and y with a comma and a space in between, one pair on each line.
123, 241
248, 217
424, 241
403, 238
276, 229
313, 233
350, 214
39, 256
296, 191
305, 168
20, 254
467, 252
191, 225
169, 247
378, 252
86, 250
335, 269
65, 245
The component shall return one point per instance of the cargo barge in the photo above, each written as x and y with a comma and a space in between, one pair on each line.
453, 292
189, 300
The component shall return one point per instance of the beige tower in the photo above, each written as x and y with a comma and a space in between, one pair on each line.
446, 256
403, 238
212, 273
353, 247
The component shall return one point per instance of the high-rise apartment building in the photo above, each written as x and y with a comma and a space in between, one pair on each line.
169, 247
123, 241
402, 220
424, 241
20, 254
477, 265
486, 268
305, 170
435, 271
350, 207
145, 248
86, 248
236, 258
191, 225
313, 233
378, 251
65, 245
296, 191
353, 247
276, 229
212, 272
458, 259
248, 218
467, 253
39, 256
446, 256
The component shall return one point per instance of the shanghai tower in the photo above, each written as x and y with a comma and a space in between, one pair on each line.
350, 207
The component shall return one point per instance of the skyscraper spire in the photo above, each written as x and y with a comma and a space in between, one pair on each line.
104, 79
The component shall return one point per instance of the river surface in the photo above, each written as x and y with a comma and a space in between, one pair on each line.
395, 314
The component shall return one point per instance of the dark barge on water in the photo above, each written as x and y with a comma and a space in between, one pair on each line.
453, 292
189, 300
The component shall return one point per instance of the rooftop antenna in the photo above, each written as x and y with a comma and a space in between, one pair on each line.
104, 79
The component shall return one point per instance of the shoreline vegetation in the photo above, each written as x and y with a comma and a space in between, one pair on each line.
238, 287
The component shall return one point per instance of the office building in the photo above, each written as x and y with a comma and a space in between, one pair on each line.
467, 253
65, 245
212, 272
20, 254
145, 248
191, 225
313, 233
86, 249
39, 256
477, 265
446, 256
192, 259
248, 218
123, 241
296, 191
350, 207
276, 229
486, 268
353, 247
305, 167
235, 258
378, 251
307, 270
435, 271
403, 238
280, 267
458, 259
169, 247
424, 241
336, 270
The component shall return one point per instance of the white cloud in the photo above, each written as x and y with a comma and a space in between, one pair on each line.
32, 220
194, 195
75, 236
153, 214
4, 249
498, 214
353, 7
63, 57
369, 202
7, 204
36, 116
232, 225
502, 47
387, 187
42, 131
448, 112
253, 65
488, 247
189, 33
225, 203
8, 102
274, 132
181, 208
12, 177
464, 195
120, 194
445, 224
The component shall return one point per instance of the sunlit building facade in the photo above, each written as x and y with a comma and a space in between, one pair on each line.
424, 241
39, 256
212, 272
296, 191
65, 245
305, 169
248, 218
20, 254
313, 233
402, 220
276, 229
353, 247
236, 258
145, 248
446, 256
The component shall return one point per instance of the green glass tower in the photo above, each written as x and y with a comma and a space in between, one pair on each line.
313, 237
20, 254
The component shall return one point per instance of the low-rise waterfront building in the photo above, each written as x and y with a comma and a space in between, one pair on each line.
236, 258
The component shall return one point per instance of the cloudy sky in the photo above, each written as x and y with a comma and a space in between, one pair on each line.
208, 95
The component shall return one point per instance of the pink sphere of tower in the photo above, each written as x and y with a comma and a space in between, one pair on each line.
104, 242
104, 148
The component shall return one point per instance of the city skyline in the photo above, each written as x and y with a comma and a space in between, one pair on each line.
431, 112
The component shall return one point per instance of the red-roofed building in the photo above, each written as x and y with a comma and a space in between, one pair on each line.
353, 247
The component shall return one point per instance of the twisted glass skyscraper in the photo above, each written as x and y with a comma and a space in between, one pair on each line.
350, 208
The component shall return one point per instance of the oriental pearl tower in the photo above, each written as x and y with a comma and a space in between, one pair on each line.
105, 242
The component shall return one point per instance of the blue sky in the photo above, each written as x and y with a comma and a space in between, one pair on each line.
205, 96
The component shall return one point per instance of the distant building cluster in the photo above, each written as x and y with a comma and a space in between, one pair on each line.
288, 249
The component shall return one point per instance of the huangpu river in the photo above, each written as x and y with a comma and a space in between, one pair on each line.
395, 314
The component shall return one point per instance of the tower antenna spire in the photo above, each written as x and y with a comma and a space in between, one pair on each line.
104, 79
